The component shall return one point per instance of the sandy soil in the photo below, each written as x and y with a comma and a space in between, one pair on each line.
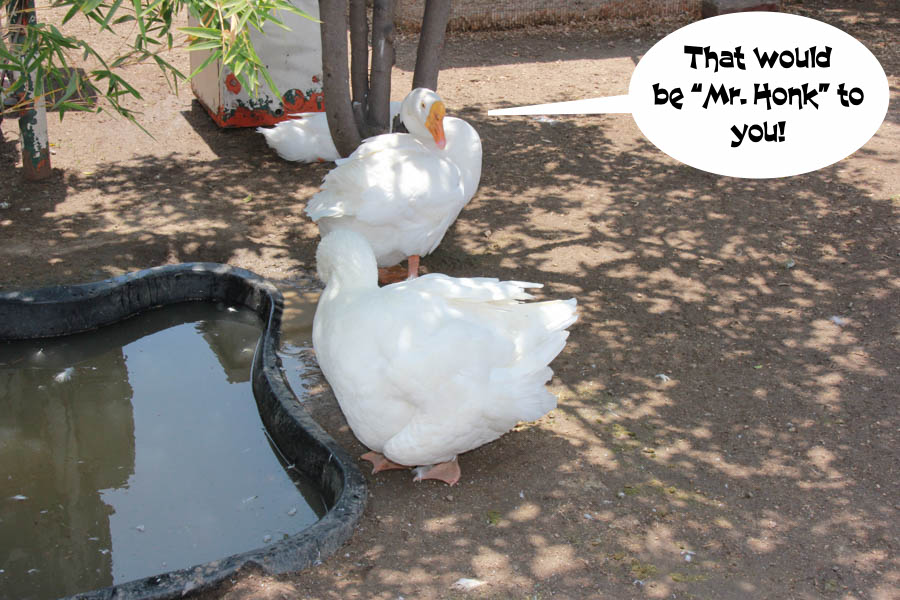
727, 424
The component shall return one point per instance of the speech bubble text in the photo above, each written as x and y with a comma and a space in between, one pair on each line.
754, 95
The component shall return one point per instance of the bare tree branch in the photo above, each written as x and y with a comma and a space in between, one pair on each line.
431, 43
336, 76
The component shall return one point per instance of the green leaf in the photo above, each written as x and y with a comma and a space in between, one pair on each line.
72, 12
138, 14
90, 6
72, 87
109, 14
203, 32
207, 45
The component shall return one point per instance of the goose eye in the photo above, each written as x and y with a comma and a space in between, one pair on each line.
423, 105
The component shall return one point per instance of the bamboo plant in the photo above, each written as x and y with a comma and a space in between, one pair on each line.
40, 52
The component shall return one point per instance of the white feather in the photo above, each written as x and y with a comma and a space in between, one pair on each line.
64, 375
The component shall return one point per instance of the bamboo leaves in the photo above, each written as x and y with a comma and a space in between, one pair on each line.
40, 52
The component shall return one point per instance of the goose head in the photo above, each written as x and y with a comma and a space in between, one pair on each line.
422, 112
345, 260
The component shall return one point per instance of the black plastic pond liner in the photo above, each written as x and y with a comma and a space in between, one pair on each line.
63, 310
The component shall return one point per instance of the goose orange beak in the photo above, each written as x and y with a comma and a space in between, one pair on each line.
435, 124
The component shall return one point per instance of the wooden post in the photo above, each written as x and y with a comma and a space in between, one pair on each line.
33, 114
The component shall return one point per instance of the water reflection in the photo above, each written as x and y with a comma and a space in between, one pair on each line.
135, 450
296, 337
61, 442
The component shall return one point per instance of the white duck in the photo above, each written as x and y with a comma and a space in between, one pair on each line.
306, 137
402, 191
432, 367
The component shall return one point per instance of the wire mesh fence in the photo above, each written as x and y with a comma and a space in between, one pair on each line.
472, 15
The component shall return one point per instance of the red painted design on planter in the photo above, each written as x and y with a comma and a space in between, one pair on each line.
246, 117
233, 85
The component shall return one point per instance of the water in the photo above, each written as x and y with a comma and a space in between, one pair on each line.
136, 450
296, 338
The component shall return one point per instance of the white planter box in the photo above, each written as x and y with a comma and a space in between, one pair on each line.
294, 60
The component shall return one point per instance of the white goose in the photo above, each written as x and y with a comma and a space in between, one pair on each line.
402, 191
429, 368
306, 137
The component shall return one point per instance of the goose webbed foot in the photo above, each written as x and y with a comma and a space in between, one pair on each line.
380, 463
448, 472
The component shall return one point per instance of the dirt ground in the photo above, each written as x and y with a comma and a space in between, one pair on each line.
727, 423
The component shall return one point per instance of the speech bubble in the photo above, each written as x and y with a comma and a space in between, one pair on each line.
753, 95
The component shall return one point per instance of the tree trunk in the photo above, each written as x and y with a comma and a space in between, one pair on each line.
359, 60
431, 43
379, 110
336, 76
